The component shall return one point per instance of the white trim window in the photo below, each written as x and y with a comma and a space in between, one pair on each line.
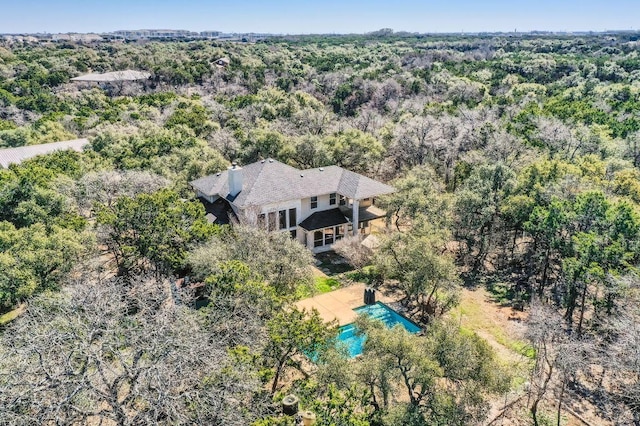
314, 202
293, 218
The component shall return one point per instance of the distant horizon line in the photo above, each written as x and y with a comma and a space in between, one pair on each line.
392, 32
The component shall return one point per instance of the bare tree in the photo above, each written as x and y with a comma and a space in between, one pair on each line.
559, 358
224, 141
620, 359
112, 352
352, 249
106, 186
545, 328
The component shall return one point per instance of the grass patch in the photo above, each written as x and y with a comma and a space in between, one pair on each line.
518, 346
320, 285
325, 284
476, 319
504, 293
11, 315
365, 275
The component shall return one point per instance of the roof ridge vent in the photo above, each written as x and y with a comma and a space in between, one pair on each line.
271, 160
301, 175
218, 174
262, 161
322, 169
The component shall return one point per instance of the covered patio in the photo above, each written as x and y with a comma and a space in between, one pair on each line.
322, 229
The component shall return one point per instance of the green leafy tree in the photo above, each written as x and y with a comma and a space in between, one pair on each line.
547, 228
28, 194
355, 150
443, 374
157, 228
426, 276
418, 197
273, 256
294, 332
478, 209
33, 259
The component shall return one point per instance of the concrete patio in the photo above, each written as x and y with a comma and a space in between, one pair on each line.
339, 304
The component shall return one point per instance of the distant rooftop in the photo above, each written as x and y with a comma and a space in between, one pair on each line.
114, 76
19, 154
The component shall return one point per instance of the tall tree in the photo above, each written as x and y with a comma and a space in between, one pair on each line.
294, 332
425, 274
442, 374
478, 209
156, 228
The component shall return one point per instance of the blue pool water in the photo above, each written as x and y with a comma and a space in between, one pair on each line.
380, 311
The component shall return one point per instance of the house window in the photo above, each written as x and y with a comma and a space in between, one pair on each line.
343, 200
262, 221
272, 221
328, 236
282, 219
293, 221
339, 232
294, 234
332, 199
314, 202
318, 239
363, 227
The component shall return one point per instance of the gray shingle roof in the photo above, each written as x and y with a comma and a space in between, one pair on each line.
270, 181
324, 219
19, 154
364, 213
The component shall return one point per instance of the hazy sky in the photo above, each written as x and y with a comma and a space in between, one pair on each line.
328, 16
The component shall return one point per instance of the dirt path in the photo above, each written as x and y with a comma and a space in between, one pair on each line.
502, 327
7, 317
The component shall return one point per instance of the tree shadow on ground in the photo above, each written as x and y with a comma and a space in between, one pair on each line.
506, 288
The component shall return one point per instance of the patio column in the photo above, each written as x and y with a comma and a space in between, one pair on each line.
309, 239
356, 211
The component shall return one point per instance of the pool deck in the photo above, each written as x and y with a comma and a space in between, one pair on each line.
339, 304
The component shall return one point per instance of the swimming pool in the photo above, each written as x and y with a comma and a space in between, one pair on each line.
348, 334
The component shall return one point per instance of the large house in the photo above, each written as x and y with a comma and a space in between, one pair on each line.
316, 206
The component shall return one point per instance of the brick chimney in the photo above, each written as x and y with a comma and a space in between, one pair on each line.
235, 179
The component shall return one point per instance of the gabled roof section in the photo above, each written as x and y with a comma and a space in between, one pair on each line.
212, 184
21, 153
270, 181
354, 185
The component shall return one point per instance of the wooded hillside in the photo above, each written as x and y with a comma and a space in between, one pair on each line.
517, 165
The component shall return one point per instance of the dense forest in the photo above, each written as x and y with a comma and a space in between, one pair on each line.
516, 161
